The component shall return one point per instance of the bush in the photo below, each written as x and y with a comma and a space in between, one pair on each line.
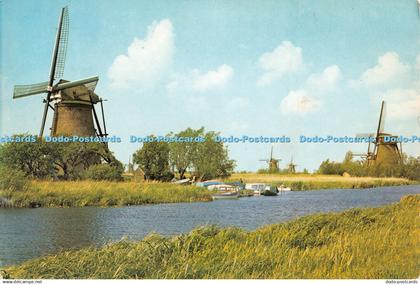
331, 168
12, 179
103, 172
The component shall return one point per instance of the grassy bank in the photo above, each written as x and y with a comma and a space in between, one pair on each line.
95, 193
310, 182
359, 243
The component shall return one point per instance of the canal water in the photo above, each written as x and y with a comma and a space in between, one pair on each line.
29, 233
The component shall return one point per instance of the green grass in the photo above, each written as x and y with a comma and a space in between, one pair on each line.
97, 193
372, 243
313, 181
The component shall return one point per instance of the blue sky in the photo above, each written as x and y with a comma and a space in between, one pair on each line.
267, 68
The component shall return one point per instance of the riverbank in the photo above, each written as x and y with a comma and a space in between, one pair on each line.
100, 193
313, 181
372, 243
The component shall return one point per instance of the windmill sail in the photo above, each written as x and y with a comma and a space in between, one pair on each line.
58, 59
63, 39
21, 91
381, 123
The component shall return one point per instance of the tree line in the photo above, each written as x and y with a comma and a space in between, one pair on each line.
204, 160
160, 161
409, 168
68, 161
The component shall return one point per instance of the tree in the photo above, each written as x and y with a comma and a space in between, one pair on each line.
153, 159
211, 159
76, 157
411, 168
12, 179
205, 158
103, 172
330, 168
34, 159
181, 154
40, 159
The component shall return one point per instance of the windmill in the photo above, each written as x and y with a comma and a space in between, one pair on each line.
73, 102
273, 164
291, 167
130, 166
385, 149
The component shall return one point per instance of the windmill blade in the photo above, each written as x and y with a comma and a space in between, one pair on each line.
21, 91
381, 122
90, 83
58, 58
62, 44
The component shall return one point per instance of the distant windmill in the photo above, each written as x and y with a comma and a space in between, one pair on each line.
291, 167
384, 152
273, 164
72, 102
130, 166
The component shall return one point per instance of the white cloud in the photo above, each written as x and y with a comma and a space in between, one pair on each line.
396, 83
325, 81
284, 59
196, 81
309, 98
147, 60
214, 79
402, 103
389, 70
299, 102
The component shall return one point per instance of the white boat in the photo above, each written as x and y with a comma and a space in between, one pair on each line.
223, 187
226, 195
182, 181
282, 188
258, 188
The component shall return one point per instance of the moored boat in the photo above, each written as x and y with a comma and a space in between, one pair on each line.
223, 187
282, 188
258, 188
226, 195
270, 191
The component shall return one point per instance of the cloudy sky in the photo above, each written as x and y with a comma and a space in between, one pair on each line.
268, 68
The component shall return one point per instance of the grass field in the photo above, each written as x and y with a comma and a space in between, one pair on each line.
105, 193
101, 193
312, 181
372, 243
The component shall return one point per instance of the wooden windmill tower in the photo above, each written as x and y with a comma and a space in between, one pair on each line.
73, 102
291, 167
385, 151
273, 164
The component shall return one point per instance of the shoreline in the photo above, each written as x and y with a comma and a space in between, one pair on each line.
315, 182
364, 243
100, 194
64, 194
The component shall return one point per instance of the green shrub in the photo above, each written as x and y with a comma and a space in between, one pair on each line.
12, 179
103, 172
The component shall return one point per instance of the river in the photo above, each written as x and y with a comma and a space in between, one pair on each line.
28, 233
